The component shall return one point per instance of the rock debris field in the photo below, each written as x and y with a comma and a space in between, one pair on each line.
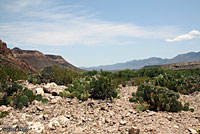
71, 116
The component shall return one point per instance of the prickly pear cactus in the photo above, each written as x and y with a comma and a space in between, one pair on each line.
158, 98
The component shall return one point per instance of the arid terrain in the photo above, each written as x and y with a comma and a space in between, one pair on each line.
71, 116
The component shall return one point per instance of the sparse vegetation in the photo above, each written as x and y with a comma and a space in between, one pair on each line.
97, 87
59, 75
160, 94
157, 98
17, 96
11, 93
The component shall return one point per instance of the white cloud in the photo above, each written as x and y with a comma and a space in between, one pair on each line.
47, 23
191, 35
18, 5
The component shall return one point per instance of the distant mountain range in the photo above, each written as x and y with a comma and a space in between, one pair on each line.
35, 61
137, 64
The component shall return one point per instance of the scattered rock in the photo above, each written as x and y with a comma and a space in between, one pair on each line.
53, 88
40, 108
45, 116
149, 129
64, 121
5, 108
40, 91
192, 131
54, 101
127, 115
36, 127
134, 130
53, 124
197, 118
58, 121
170, 118
151, 113
66, 115
122, 122
175, 126
55, 92
103, 107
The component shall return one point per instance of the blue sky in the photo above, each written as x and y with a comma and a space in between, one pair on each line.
101, 32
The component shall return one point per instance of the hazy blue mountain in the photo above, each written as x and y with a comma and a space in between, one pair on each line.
137, 64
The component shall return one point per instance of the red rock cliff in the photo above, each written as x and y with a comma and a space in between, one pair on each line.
4, 49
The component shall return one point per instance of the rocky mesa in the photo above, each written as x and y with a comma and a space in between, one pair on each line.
7, 58
39, 61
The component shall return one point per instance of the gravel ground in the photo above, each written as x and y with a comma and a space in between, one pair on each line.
70, 116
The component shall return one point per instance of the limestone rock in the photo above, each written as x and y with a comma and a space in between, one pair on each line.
53, 124
134, 130
5, 108
40, 91
122, 122
36, 127
40, 108
58, 121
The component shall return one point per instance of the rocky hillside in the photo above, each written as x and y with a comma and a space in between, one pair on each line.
71, 116
138, 64
62, 61
7, 58
40, 61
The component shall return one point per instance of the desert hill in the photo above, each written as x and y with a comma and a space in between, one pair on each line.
39, 61
7, 58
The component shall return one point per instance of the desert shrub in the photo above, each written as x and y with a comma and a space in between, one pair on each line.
11, 74
125, 74
150, 72
137, 81
97, 87
102, 87
34, 78
79, 88
3, 114
188, 84
157, 99
184, 84
89, 73
59, 75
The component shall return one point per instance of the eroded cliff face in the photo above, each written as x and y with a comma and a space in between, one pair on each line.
3, 48
7, 58
26, 53
40, 61
62, 61
57, 58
